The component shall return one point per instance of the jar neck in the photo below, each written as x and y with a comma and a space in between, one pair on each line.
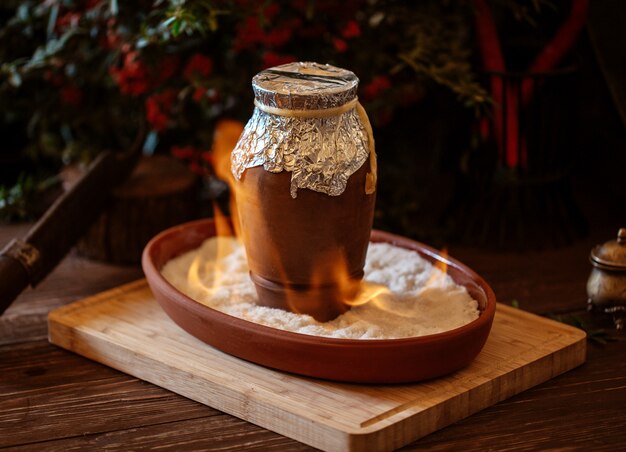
318, 113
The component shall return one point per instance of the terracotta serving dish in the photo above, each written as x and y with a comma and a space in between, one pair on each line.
350, 360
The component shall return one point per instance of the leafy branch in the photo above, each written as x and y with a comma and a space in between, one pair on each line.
15, 200
439, 50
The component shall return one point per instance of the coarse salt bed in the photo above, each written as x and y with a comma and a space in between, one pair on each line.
421, 299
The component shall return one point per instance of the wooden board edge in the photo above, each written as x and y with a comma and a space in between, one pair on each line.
276, 419
399, 433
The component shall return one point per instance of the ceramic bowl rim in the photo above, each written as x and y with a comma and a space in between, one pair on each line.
487, 312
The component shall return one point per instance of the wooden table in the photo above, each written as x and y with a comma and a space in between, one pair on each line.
53, 399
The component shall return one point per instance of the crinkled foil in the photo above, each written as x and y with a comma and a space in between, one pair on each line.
321, 153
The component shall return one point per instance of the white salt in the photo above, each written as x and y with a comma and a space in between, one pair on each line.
421, 299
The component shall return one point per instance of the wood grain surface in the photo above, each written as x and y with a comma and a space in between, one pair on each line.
51, 399
126, 329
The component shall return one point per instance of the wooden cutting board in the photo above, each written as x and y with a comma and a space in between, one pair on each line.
126, 329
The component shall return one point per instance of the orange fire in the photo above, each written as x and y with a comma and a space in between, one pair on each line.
353, 292
443, 263
368, 293
227, 132
207, 273
440, 264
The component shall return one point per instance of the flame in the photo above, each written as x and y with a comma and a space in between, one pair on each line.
206, 273
193, 275
225, 137
440, 264
333, 270
443, 263
368, 292
223, 225
200, 268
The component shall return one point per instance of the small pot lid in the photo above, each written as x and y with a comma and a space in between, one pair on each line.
611, 255
305, 86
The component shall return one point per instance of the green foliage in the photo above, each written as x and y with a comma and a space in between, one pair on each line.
80, 76
438, 49
16, 200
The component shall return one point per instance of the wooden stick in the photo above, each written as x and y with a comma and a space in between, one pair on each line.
28, 261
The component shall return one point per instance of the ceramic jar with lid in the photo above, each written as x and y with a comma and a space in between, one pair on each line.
305, 182
606, 287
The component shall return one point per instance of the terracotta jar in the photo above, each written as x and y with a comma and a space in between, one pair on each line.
305, 179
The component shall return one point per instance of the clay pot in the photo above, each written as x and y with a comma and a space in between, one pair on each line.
306, 247
306, 255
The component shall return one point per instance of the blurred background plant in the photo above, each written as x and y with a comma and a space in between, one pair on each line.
80, 76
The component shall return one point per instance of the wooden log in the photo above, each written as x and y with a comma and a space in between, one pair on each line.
160, 193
